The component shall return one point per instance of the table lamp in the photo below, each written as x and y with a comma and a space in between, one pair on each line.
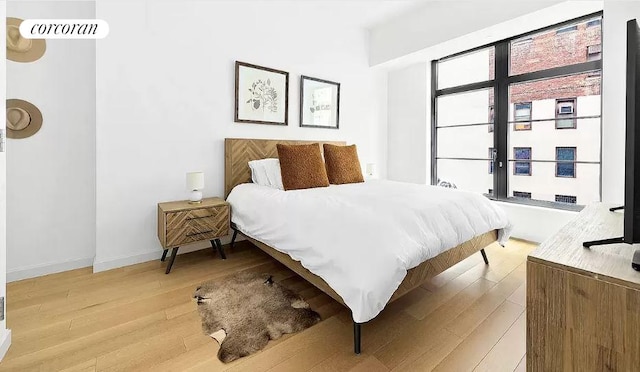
195, 183
370, 169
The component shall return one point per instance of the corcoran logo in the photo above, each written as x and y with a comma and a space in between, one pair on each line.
64, 29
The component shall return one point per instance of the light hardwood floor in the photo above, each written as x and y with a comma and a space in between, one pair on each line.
469, 317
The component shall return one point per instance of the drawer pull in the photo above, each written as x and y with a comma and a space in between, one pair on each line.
197, 218
200, 233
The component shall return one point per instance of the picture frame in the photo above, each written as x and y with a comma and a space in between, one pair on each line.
261, 95
319, 103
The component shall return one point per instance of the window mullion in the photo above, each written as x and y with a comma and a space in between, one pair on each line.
501, 109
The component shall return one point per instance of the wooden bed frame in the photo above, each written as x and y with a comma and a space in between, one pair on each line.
238, 152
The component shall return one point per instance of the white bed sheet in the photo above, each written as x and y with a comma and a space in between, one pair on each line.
362, 238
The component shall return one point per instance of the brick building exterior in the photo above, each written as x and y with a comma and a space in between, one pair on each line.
570, 45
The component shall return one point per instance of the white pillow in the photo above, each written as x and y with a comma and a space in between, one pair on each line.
266, 172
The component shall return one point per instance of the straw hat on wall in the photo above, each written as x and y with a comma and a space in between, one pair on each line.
20, 49
23, 119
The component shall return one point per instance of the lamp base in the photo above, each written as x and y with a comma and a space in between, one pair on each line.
195, 197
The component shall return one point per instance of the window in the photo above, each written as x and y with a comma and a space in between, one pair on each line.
566, 113
491, 149
565, 162
594, 52
593, 23
568, 199
566, 29
491, 118
482, 127
522, 168
522, 116
522, 194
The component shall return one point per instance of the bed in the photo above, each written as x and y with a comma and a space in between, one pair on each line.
238, 152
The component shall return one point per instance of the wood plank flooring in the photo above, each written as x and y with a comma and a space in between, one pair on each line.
471, 317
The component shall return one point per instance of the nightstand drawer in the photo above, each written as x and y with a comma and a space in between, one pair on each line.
202, 220
188, 234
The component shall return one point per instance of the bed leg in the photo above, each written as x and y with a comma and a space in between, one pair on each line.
484, 256
233, 238
356, 337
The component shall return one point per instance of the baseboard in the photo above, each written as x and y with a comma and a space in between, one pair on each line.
114, 263
5, 342
117, 262
33, 271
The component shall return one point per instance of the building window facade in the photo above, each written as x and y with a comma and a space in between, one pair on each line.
557, 71
491, 118
491, 150
522, 116
565, 162
567, 199
522, 168
594, 52
566, 113
522, 194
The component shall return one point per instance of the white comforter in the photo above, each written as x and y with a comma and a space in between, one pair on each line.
362, 238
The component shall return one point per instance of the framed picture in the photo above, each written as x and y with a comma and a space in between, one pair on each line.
319, 103
261, 95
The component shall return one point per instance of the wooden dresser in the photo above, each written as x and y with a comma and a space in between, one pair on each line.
583, 305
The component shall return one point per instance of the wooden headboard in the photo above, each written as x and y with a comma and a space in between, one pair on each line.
240, 151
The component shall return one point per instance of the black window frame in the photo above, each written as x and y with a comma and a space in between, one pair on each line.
500, 85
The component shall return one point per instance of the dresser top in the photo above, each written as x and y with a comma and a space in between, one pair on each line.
184, 205
606, 262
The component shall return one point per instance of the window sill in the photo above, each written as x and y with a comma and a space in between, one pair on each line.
539, 203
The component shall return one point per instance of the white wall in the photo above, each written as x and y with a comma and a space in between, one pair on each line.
408, 125
165, 92
5, 334
51, 183
440, 21
614, 46
405, 79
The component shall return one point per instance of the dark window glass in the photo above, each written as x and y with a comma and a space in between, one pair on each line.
522, 168
565, 166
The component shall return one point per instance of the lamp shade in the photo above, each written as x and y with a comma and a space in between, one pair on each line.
370, 169
195, 180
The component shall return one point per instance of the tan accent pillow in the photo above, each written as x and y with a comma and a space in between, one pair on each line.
302, 166
342, 164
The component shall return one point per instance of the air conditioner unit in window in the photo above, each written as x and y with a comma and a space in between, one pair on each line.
565, 110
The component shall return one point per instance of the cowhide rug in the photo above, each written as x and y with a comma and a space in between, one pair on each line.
243, 312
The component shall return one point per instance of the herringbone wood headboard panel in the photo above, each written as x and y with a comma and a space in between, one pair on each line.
240, 151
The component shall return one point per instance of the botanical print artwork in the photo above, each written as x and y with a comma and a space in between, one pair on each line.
319, 103
261, 95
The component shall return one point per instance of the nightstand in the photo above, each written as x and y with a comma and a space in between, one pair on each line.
181, 222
